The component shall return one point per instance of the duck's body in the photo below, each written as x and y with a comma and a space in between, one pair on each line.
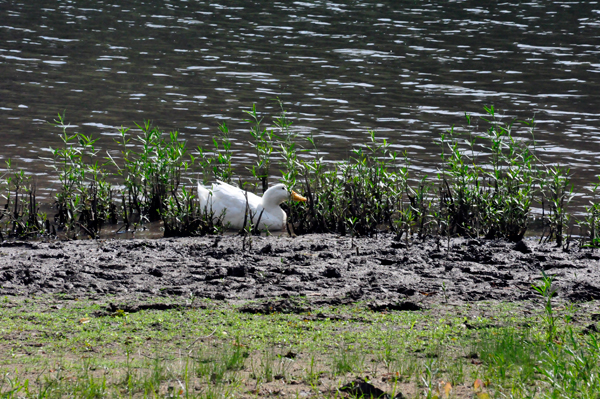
230, 202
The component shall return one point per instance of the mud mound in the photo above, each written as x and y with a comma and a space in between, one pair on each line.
275, 306
324, 269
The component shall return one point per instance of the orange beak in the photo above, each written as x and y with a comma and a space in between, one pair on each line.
297, 197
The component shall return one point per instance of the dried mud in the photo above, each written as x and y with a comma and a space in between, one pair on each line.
321, 269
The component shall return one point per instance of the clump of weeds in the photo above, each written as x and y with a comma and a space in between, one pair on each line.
557, 193
84, 199
151, 172
360, 196
590, 225
20, 216
486, 195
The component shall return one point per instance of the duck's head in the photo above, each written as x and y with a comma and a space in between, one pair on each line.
279, 193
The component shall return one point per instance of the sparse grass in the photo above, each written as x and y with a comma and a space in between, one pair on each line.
53, 347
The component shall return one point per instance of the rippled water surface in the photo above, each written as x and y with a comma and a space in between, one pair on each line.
406, 69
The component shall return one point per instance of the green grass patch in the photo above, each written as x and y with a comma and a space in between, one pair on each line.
53, 347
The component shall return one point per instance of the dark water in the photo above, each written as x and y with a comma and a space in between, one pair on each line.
406, 69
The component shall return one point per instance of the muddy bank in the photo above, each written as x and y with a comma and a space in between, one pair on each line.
326, 269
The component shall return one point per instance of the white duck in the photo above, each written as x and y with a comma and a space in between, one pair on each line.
230, 200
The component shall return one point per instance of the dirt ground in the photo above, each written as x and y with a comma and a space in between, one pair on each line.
325, 269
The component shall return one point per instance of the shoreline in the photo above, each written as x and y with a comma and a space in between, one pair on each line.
324, 269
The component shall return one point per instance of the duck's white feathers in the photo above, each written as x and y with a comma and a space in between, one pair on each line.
229, 201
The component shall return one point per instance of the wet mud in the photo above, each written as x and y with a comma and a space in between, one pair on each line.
291, 275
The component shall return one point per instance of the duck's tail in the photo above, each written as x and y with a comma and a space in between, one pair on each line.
203, 195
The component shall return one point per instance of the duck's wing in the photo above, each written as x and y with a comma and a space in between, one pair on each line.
240, 195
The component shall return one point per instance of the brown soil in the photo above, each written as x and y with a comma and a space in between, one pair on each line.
325, 269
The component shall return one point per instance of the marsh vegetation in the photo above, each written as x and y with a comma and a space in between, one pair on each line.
488, 183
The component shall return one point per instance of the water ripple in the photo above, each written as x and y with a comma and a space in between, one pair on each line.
407, 70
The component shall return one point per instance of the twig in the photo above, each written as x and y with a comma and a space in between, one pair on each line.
258, 222
199, 338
